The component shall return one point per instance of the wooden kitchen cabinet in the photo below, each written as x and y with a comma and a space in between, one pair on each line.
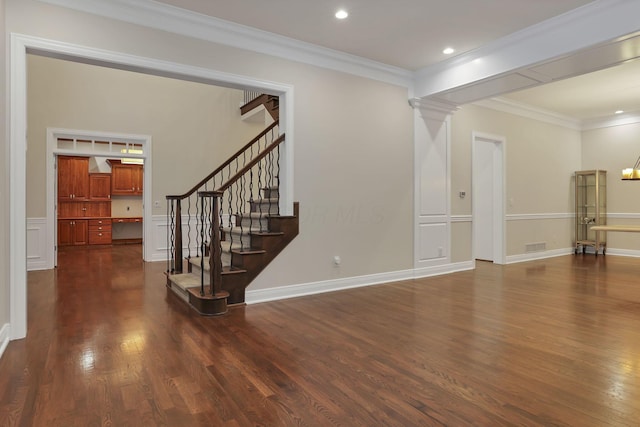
99, 232
89, 209
98, 209
100, 186
73, 178
126, 179
72, 232
84, 203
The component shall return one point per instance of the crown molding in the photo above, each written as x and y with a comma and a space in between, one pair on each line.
149, 13
528, 111
433, 108
590, 25
606, 122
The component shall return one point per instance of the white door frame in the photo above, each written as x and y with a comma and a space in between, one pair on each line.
499, 214
20, 45
52, 151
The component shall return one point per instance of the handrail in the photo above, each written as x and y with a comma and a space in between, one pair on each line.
251, 164
225, 164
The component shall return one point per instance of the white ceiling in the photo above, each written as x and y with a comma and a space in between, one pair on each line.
590, 96
410, 34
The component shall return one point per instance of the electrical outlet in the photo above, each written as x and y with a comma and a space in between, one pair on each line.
156, 204
336, 260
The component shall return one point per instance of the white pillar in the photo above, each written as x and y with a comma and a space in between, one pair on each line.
432, 174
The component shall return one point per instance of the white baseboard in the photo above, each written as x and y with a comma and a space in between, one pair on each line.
623, 252
443, 269
512, 259
303, 289
4, 338
291, 291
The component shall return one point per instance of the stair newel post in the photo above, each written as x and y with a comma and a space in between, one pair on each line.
215, 258
178, 244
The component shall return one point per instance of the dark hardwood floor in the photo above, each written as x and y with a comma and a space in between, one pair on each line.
551, 343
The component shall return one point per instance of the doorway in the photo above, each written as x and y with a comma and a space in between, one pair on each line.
100, 150
488, 197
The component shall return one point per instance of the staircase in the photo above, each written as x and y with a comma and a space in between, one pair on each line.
228, 228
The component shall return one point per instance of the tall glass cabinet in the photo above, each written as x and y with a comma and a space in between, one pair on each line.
591, 209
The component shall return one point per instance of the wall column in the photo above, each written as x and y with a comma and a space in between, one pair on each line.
432, 174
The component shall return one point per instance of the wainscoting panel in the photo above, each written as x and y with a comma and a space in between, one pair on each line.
4, 338
160, 232
38, 257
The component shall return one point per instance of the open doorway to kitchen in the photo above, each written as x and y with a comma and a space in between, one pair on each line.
97, 187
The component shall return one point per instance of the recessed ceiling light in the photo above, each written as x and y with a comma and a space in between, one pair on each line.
619, 111
448, 50
342, 14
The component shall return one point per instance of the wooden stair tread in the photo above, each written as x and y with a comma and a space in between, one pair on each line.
267, 233
237, 230
249, 251
251, 232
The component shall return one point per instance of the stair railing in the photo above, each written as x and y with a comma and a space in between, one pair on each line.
260, 160
235, 194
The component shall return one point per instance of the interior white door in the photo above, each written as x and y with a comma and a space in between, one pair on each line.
483, 171
488, 196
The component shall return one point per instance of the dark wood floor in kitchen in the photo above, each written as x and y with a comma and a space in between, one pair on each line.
549, 342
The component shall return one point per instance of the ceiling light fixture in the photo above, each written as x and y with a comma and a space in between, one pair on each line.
619, 112
342, 14
448, 50
632, 173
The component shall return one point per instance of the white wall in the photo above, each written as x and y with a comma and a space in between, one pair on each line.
540, 161
612, 149
190, 123
353, 145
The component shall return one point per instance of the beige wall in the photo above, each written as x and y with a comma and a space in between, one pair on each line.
4, 178
540, 161
353, 145
613, 149
182, 118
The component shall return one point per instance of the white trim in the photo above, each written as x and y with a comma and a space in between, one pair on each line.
461, 218
605, 122
623, 252
157, 243
38, 255
629, 215
5, 335
303, 289
439, 270
539, 216
512, 259
17, 191
312, 288
180, 21
530, 112
543, 216
594, 24
18, 143
52, 151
